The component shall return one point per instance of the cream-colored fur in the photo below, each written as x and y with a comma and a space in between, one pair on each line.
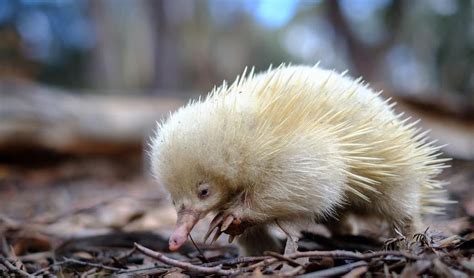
298, 143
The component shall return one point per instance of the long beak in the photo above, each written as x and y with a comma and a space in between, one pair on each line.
187, 218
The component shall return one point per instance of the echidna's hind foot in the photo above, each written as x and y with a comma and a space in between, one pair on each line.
291, 247
407, 227
256, 240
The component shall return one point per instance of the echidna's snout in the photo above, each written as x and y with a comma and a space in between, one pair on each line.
187, 218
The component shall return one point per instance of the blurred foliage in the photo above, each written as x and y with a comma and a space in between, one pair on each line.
134, 46
47, 41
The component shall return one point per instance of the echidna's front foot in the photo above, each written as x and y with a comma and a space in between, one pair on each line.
229, 223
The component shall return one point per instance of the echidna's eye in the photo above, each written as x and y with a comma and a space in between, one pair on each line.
204, 193
203, 190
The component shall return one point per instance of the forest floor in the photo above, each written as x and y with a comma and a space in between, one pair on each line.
101, 216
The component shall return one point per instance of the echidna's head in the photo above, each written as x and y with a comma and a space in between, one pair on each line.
197, 155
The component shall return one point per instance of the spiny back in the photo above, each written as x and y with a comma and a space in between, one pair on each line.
383, 150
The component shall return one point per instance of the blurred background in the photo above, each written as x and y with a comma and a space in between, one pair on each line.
136, 47
83, 82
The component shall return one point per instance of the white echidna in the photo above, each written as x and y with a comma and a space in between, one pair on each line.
292, 145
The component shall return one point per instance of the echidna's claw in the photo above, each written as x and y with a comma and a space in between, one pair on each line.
216, 236
217, 220
213, 225
227, 222
224, 223
208, 233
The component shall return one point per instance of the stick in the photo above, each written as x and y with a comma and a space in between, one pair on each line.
128, 254
335, 271
263, 263
147, 269
4, 247
290, 261
204, 259
89, 272
356, 272
184, 265
352, 255
99, 266
13, 268
238, 260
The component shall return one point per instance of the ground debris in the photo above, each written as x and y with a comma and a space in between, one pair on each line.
125, 254
75, 220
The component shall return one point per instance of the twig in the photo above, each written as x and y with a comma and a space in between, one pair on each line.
13, 257
48, 268
128, 254
262, 264
100, 266
238, 260
145, 271
89, 272
205, 260
43, 270
36, 256
13, 268
290, 261
148, 269
4, 247
353, 255
335, 271
356, 272
184, 265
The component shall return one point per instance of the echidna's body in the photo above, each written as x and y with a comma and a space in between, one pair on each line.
297, 143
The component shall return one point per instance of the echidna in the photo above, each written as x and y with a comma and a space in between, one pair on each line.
292, 145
